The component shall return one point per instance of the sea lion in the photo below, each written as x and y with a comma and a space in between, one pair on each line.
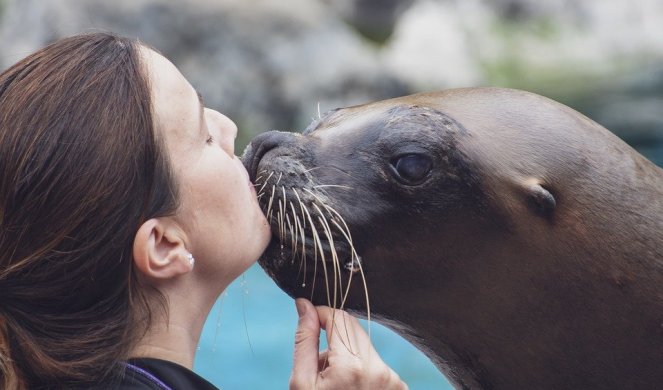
514, 241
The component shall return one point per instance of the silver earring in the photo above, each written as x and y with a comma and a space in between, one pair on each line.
192, 261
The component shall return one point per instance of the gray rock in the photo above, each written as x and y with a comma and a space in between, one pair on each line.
274, 64
268, 65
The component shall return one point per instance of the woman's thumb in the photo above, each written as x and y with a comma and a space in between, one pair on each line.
307, 340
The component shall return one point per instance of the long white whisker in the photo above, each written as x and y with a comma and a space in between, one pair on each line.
318, 248
292, 238
301, 205
333, 185
271, 199
302, 226
332, 248
266, 180
361, 268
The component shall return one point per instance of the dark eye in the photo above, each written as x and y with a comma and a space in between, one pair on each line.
412, 168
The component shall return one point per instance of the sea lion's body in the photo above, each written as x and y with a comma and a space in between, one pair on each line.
529, 256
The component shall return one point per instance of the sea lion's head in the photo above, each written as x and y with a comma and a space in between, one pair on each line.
501, 232
382, 197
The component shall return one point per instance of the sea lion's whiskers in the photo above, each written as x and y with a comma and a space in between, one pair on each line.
345, 229
266, 181
334, 255
278, 218
348, 237
319, 114
354, 255
271, 199
299, 231
310, 169
337, 216
281, 221
301, 205
303, 257
337, 280
317, 245
323, 261
285, 206
279, 179
302, 226
315, 196
332, 248
292, 239
285, 198
336, 213
333, 185
295, 233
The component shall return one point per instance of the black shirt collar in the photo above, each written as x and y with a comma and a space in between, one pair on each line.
173, 375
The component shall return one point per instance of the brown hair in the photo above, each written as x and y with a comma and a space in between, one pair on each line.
81, 167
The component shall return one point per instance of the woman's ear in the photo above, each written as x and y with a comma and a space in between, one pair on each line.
159, 251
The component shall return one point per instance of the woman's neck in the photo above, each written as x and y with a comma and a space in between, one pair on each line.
174, 336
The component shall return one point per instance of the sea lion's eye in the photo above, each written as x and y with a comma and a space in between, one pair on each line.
412, 168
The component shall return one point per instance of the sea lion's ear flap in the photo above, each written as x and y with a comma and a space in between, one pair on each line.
539, 198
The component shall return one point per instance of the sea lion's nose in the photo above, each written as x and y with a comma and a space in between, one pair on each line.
262, 144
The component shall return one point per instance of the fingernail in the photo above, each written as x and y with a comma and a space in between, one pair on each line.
301, 307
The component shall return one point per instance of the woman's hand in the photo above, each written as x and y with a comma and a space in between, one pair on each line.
350, 362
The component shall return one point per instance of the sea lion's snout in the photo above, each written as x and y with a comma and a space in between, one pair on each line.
260, 145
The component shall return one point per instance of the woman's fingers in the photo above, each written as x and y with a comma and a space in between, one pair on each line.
307, 340
342, 330
351, 362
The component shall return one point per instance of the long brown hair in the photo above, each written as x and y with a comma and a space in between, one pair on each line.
81, 166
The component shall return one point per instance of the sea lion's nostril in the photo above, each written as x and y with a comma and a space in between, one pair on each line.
260, 145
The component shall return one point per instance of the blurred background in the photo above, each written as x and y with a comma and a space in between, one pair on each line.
276, 64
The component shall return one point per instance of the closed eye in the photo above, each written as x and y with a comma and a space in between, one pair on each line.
210, 140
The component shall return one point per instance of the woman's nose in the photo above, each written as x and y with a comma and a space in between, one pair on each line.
227, 129
262, 144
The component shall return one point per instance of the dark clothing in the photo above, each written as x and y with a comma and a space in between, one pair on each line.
156, 374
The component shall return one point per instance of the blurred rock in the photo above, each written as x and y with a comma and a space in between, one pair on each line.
374, 19
269, 64
431, 48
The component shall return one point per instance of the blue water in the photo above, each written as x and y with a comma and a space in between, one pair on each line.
247, 341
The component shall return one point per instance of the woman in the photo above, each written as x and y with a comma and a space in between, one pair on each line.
124, 214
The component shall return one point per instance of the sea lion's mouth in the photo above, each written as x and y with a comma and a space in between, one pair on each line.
290, 250
311, 253
310, 233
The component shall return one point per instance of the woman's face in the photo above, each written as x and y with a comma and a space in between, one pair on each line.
219, 215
